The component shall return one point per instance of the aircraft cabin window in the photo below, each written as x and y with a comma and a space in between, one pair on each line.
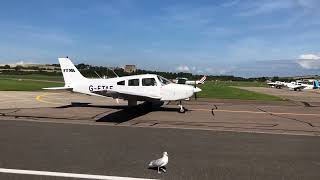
133, 82
149, 82
121, 83
182, 81
163, 80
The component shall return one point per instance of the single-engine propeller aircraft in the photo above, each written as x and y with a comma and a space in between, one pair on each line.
190, 82
277, 84
303, 86
296, 85
147, 87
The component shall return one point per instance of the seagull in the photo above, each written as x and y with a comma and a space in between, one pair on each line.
159, 163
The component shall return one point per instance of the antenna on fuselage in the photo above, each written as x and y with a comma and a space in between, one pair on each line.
98, 74
113, 72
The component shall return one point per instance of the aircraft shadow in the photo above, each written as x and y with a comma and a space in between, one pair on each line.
125, 113
80, 104
129, 113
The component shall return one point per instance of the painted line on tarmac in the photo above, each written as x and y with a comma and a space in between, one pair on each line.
258, 112
67, 175
239, 130
40, 99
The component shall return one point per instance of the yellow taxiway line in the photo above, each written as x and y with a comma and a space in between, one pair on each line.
40, 99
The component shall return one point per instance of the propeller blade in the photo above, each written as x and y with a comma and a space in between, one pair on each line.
195, 86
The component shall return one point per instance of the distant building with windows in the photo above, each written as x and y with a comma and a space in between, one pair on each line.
130, 68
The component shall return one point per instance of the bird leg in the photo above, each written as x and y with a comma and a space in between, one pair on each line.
163, 169
158, 170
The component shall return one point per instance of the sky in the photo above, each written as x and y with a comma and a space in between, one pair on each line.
224, 37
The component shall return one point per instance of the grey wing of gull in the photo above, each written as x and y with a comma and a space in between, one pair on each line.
156, 163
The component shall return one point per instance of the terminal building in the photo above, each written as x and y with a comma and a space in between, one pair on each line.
29, 67
130, 68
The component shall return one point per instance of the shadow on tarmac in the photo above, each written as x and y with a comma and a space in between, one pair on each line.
80, 104
125, 113
129, 113
162, 169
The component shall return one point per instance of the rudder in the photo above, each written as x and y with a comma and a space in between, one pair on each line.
70, 72
315, 84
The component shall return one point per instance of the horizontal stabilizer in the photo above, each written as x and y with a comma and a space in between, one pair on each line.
58, 88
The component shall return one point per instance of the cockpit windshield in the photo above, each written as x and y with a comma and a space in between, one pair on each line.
163, 80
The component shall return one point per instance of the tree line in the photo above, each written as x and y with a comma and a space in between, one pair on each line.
92, 71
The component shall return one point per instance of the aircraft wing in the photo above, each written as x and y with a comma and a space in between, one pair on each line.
276, 85
58, 88
298, 87
191, 82
126, 95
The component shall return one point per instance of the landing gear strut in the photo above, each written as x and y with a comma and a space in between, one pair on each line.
181, 108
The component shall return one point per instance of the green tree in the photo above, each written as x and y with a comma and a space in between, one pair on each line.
275, 78
18, 68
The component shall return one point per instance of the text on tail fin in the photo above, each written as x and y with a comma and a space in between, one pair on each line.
70, 72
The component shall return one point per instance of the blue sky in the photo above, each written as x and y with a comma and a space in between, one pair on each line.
238, 37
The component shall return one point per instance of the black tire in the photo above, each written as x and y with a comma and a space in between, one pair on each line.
182, 110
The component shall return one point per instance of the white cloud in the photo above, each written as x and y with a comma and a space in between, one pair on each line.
183, 68
219, 70
311, 4
106, 47
264, 7
36, 34
52, 37
309, 57
309, 61
230, 3
25, 62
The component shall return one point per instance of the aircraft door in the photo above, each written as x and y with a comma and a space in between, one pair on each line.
134, 85
150, 87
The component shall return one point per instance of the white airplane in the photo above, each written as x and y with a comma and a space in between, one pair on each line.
186, 81
148, 87
277, 84
302, 86
295, 85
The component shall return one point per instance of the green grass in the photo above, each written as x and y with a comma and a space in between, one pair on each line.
32, 76
214, 89
223, 90
238, 83
25, 85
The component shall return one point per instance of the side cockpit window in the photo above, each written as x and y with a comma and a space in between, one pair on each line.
163, 80
121, 83
133, 82
149, 82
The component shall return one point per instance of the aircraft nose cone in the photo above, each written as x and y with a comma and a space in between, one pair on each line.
196, 89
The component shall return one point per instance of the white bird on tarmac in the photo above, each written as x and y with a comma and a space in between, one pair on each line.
159, 163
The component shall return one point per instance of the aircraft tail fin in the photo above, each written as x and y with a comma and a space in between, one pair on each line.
70, 72
315, 84
201, 81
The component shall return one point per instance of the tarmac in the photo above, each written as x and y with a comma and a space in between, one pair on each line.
311, 96
215, 139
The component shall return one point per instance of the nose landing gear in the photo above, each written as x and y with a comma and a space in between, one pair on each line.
181, 108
